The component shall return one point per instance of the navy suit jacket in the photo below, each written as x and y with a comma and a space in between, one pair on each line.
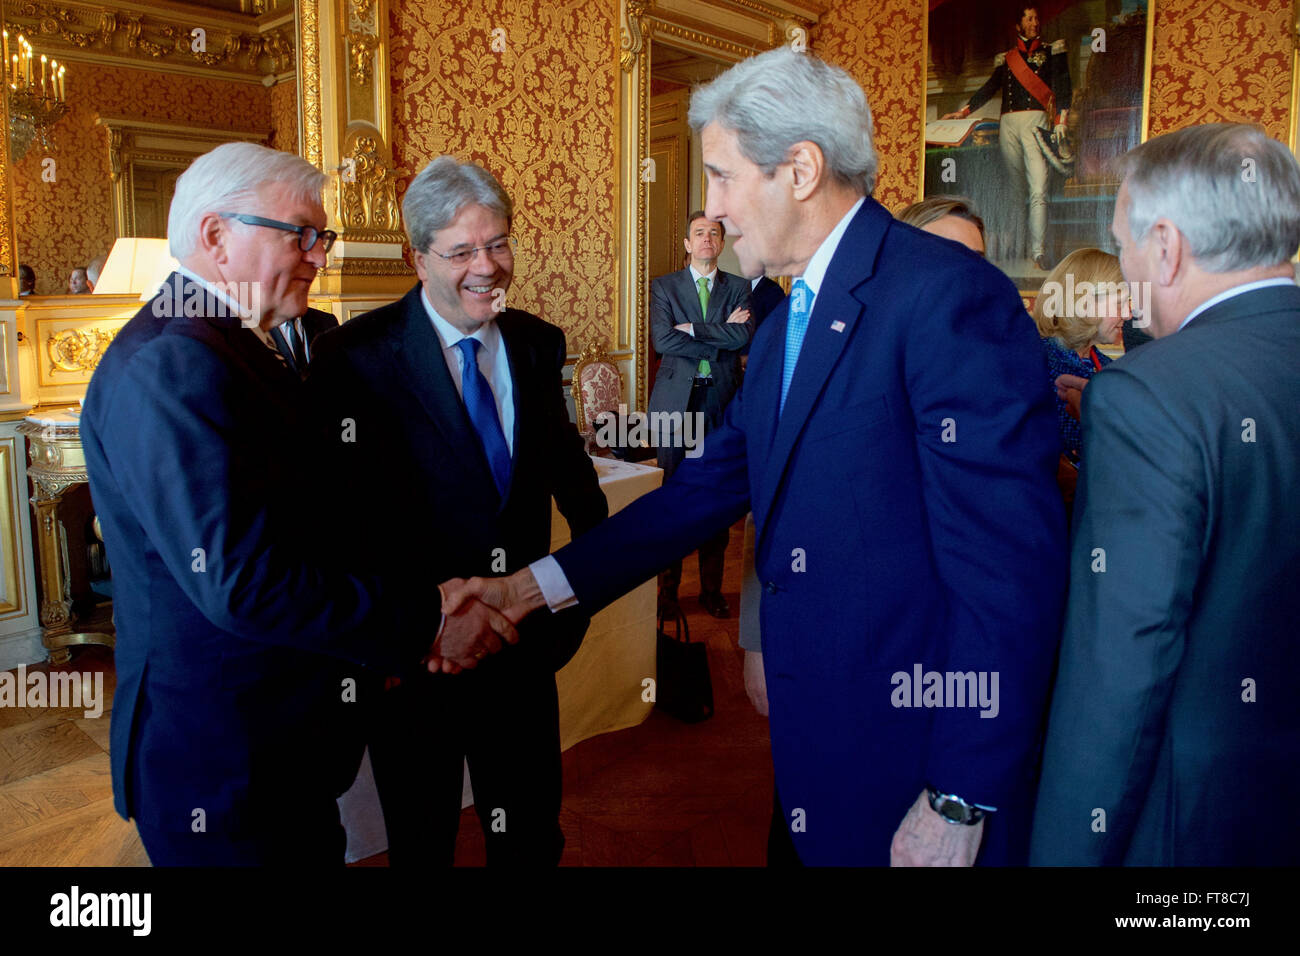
237, 622
385, 372
907, 514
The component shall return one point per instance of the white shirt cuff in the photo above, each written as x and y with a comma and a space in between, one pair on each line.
553, 584
691, 330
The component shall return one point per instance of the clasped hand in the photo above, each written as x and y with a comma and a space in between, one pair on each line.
481, 614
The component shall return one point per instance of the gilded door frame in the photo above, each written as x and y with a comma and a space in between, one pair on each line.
726, 30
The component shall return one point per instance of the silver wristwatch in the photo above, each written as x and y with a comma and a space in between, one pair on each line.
954, 809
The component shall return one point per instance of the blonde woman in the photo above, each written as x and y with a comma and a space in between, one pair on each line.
1083, 304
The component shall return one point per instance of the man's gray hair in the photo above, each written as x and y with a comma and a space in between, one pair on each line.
227, 180
1233, 192
779, 98
439, 192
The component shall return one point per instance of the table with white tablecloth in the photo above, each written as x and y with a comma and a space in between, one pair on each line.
601, 690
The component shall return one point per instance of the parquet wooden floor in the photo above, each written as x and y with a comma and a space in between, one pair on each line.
660, 794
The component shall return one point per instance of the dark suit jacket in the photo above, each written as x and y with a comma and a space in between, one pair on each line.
236, 620
1191, 487
906, 514
674, 299
385, 371
764, 298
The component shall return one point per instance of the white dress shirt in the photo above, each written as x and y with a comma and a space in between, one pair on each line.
1230, 293
492, 362
550, 577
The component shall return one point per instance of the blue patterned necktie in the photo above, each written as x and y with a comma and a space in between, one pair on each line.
482, 408
801, 299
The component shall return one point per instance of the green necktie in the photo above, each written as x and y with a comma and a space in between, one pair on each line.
703, 283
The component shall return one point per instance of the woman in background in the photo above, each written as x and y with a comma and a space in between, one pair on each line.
1082, 304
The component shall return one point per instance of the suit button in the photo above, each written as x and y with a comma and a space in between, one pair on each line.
772, 588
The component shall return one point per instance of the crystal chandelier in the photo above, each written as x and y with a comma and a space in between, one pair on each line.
37, 96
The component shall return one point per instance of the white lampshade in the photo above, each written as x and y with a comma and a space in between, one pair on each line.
136, 266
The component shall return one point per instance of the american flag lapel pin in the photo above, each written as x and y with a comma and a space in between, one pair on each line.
837, 326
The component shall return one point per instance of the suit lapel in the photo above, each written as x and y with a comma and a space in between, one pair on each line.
419, 355
840, 300
720, 289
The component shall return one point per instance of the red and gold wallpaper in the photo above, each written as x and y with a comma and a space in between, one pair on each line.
284, 116
528, 88
1222, 61
69, 221
881, 45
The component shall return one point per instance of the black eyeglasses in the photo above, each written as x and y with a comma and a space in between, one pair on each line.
500, 249
308, 236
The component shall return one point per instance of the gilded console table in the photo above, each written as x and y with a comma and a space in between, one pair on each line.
56, 464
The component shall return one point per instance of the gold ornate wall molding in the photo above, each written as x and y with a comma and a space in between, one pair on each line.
231, 45
723, 30
367, 194
134, 142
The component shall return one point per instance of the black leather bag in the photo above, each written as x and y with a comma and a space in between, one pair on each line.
683, 688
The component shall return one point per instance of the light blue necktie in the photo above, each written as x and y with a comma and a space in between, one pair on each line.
801, 299
482, 408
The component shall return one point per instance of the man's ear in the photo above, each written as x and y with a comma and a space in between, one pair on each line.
1170, 249
808, 166
686, 243
213, 237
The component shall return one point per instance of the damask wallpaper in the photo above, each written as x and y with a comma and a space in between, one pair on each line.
1214, 60
1222, 61
68, 222
881, 45
284, 116
528, 89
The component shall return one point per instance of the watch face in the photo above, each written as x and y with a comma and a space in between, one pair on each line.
952, 810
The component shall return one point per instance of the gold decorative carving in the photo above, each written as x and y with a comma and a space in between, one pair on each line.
360, 266
158, 35
367, 193
361, 16
78, 350
309, 81
734, 51
361, 53
632, 35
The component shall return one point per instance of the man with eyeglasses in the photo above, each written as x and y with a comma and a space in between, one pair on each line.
293, 338
242, 626
463, 399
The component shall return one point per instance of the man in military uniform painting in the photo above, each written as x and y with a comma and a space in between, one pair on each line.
1034, 80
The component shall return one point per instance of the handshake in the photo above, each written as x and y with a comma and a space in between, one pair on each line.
479, 614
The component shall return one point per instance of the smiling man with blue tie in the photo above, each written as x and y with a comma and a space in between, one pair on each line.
899, 453
463, 399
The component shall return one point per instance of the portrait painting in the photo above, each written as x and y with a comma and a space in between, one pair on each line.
1027, 106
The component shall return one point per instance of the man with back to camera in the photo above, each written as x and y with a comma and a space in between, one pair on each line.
1174, 720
